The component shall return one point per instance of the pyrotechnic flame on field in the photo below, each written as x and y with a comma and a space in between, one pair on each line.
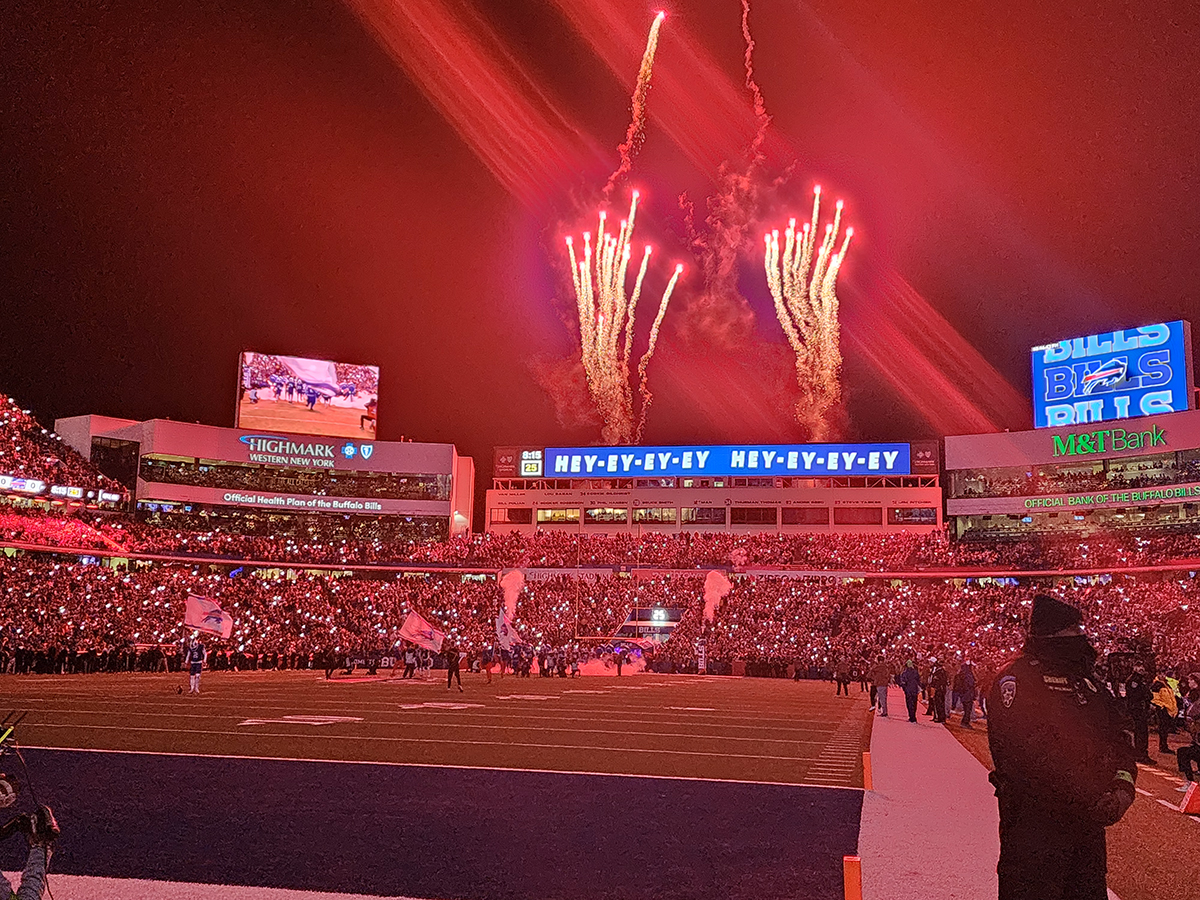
637, 123
607, 315
803, 282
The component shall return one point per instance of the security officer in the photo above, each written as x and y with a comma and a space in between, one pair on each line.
1137, 707
937, 690
1064, 768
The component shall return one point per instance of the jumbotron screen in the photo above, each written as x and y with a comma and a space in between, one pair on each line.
306, 396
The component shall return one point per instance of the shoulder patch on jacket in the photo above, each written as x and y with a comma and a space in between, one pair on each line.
1008, 690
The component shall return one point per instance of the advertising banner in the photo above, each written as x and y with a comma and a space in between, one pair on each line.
1120, 498
1124, 374
926, 457
154, 492
180, 439
1074, 443
730, 460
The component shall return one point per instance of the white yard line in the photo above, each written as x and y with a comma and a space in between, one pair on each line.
420, 765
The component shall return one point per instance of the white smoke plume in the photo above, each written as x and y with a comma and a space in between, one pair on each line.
511, 582
716, 586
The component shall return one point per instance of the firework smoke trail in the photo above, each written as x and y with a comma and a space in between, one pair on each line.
607, 315
721, 313
644, 362
637, 123
760, 105
803, 283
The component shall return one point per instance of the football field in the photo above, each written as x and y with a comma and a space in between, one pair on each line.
665, 786
338, 419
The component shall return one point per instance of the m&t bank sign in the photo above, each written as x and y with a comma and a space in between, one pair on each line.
1116, 375
1107, 440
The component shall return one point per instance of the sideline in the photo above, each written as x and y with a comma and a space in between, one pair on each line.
930, 828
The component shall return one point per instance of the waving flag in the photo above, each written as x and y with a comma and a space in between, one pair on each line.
421, 633
505, 635
318, 373
205, 615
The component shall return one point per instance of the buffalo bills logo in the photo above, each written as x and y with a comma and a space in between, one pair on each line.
1106, 375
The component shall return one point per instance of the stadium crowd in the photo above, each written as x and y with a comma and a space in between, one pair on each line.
57, 602
321, 482
53, 607
785, 620
27, 450
30, 451
1032, 483
362, 540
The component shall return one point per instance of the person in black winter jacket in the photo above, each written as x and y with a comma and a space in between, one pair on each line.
938, 682
1137, 707
966, 691
910, 682
1064, 769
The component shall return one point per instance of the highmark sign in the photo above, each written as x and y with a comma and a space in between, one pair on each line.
280, 451
1105, 440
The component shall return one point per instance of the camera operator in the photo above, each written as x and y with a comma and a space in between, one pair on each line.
40, 829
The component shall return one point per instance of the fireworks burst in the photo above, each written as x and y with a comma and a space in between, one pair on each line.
806, 304
607, 314
637, 123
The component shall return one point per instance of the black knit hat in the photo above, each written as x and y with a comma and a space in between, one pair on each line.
1051, 616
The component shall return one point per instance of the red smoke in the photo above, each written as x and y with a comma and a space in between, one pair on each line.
706, 115
534, 149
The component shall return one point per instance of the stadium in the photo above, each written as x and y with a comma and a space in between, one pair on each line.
790, 451
308, 591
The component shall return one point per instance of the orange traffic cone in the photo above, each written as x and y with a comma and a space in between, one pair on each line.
1191, 801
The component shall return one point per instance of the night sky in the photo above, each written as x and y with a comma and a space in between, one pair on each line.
184, 180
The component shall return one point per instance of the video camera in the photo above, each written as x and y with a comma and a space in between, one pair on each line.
40, 826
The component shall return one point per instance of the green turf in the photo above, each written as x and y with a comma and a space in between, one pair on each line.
737, 728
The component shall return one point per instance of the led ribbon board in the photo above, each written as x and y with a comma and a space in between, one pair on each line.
729, 460
1116, 375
